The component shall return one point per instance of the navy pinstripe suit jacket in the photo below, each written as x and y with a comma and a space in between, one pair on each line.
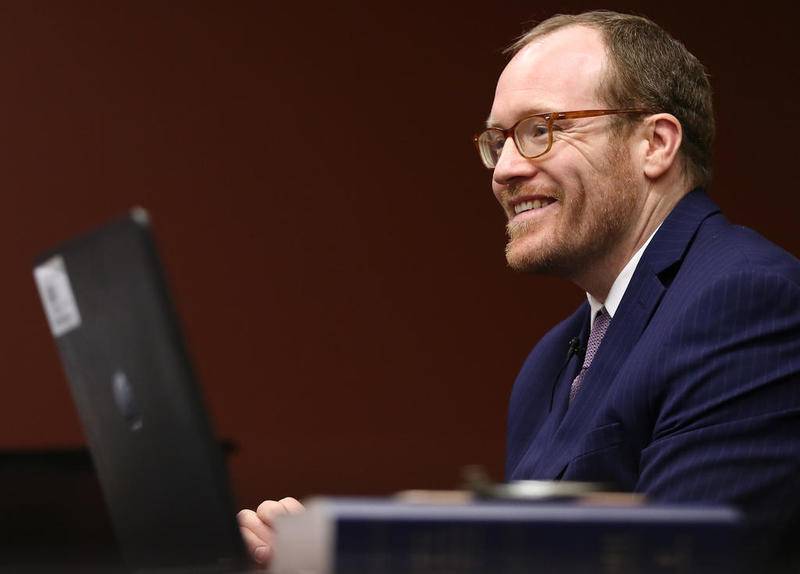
694, 394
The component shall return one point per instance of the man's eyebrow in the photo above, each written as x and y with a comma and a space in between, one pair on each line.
527, 112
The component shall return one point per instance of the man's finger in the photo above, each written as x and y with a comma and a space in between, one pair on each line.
292, 505
269, 509
260, 552
250, 520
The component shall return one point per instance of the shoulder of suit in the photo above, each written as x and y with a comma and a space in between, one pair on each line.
734, 249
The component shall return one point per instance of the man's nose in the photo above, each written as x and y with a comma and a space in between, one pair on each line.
512, 165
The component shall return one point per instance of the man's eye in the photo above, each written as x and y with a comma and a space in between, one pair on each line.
498, 142
535, 131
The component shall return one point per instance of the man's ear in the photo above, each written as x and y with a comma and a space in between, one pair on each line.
663, 134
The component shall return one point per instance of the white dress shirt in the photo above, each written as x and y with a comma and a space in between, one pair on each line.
620, 284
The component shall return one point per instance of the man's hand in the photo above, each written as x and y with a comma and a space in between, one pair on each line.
257, 527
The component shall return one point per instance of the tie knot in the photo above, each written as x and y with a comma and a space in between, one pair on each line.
601, 320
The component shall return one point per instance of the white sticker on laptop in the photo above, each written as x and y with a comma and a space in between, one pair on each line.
57, 297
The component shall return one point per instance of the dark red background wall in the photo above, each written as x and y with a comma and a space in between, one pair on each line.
332, 241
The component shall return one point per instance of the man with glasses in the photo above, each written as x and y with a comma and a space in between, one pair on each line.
680, 376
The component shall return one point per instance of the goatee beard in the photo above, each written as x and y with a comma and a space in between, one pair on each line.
552, 259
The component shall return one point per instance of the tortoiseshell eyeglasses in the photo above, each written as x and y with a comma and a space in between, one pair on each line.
533, 135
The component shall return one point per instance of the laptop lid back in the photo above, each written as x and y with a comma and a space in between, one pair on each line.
161, 469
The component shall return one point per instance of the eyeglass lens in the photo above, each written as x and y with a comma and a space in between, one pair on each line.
530, 136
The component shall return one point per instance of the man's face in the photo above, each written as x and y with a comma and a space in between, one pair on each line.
570, 206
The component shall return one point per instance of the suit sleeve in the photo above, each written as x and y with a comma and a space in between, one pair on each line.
727, 405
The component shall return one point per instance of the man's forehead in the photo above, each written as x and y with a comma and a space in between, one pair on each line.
563, 68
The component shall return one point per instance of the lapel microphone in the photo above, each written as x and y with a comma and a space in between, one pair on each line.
575, 348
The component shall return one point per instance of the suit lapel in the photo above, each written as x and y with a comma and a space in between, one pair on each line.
641, 300
557, 443
559, 398
569, 372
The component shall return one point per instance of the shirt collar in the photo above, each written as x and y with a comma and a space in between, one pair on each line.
620, 284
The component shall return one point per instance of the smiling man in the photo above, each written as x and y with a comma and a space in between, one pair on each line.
575, 210
680, 376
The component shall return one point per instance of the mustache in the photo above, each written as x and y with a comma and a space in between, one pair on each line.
527, 189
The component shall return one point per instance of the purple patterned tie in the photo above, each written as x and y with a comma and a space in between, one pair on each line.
601, 322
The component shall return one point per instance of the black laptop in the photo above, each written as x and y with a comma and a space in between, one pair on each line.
160, 466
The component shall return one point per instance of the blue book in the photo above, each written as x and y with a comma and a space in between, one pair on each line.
382, 536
